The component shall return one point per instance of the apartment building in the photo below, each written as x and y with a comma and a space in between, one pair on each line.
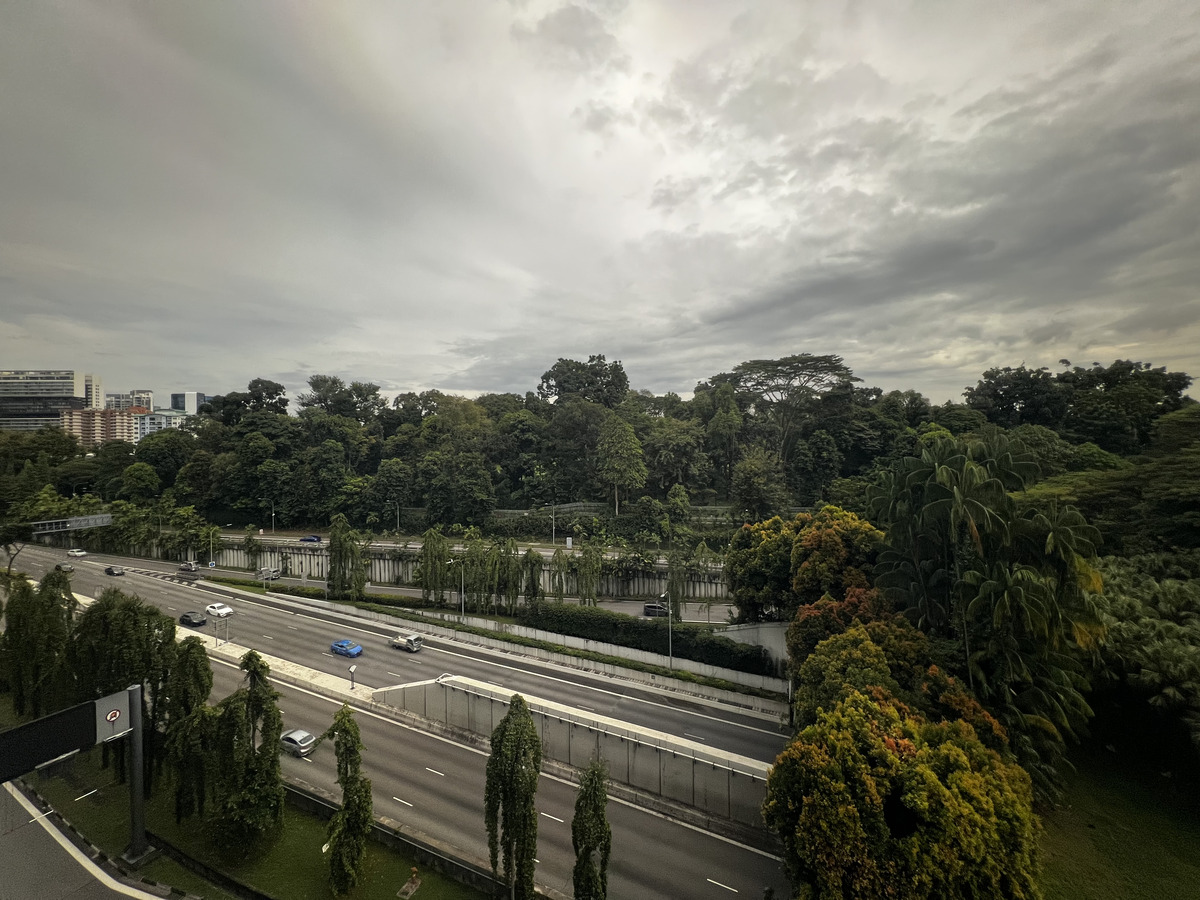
137, 397
189, 402
95, 426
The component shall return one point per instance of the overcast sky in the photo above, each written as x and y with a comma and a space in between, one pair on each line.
453, 194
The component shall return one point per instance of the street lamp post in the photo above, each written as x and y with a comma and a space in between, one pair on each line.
272, 502
396, 503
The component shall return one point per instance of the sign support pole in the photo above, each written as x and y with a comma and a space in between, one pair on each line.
139, 846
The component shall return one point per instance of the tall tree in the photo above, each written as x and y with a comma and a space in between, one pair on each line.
350, 827
591, 835
621, 465
596, 381
189, 727
347, 561
248, 788
509, 811
759, 488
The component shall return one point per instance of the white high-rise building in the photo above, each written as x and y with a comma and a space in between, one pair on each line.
33, 398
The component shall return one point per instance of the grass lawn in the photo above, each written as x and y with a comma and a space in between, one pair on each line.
292, 868
1121, 836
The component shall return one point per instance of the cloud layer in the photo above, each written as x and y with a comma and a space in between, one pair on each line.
455, 194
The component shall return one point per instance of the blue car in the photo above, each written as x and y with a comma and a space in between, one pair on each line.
345, 648
311, 539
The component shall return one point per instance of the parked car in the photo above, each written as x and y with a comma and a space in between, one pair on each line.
345, 648
656, 609
75, 551
113, 570
410, 642
64, 567
269, 574
193, 620
189, 566
218, 610
297, 742
311, 539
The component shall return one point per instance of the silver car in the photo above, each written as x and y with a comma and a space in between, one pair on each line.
297, 742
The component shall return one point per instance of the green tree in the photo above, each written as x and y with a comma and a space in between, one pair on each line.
140, 483
759, 488
433, 571
596, 381
587, 576
620, 459
38, 622
350, 827
189, 727
533, 564
509, 811
347, 561
873, 801
591, 835
248, 793
560, 569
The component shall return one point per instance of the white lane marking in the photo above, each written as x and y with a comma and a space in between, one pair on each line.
600, 690
171, 608
555, 818
435, 771
268, 637
496, 683
88, 794
330, 655
395, 674
692, 736
293, 627
405, 802
306, 759
718, 884
588, 708
360, 710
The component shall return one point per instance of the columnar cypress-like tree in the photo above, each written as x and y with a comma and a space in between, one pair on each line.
532, 566
591, 835
347, 561
248, 790
560, 567
350, 827
591, 560
434, 567
189, 726
509, 811
620, 457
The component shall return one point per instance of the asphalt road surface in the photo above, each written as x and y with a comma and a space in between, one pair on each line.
434, 785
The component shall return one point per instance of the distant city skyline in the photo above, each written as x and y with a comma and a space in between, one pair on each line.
452, 195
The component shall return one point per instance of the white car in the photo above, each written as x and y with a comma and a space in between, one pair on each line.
218, 610
75, 551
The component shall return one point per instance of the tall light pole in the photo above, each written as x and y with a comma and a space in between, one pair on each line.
272, 502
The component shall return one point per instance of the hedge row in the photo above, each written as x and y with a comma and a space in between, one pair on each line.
694, 642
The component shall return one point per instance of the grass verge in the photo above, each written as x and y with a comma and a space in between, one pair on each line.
1120, 837
291, 868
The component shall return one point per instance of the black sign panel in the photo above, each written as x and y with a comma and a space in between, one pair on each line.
26, 747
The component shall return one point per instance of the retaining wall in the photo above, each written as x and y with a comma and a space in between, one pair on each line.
718, 784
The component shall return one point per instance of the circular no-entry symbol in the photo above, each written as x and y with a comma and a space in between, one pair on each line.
113, 715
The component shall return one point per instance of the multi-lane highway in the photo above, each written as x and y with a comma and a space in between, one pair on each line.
434, 785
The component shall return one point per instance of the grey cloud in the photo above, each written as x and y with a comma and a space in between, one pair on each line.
574, 38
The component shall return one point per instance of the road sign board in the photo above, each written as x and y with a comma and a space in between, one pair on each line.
212, 564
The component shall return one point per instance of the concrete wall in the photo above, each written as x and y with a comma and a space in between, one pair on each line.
719, 784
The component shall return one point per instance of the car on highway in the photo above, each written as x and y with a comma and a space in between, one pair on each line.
345, 647
189, 566
75, 551
64, 567
113, 570
218, 610
407, 641
311, 539
269, 574
297, 742
655, 609
193, 619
